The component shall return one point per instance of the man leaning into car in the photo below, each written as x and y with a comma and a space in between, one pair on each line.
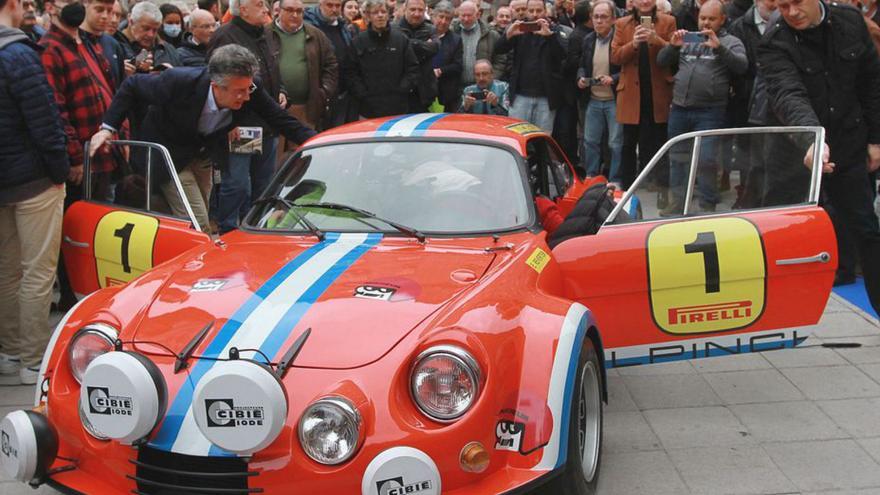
223, 94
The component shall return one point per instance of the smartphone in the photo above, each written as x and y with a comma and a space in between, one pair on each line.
141, 57
478, 95
694, 37
531, 26
647, 22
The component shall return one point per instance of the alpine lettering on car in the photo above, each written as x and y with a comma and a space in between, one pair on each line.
101, 402
701, 348
223, 413
396, 486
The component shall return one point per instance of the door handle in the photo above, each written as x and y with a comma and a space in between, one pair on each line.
73, 243
822, 257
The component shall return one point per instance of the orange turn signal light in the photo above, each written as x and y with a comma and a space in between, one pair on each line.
474, 458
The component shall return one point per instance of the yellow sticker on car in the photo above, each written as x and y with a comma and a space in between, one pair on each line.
124, 246
523, 128
706, 275
538, 260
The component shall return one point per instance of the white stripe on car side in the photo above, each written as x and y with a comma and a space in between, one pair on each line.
558, 383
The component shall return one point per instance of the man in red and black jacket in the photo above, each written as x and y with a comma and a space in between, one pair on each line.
83, 85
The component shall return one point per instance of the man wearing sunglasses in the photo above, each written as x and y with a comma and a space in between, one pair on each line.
191, 111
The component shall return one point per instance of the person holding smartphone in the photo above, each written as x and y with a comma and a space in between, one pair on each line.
644, 91
539, 50
487, 96
707, 61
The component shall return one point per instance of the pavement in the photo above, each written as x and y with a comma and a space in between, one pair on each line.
796, 421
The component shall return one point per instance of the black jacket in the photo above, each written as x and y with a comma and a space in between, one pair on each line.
425, 46
586, 63
745, 29
573, 60
33, 147
552, 49
253, 38
175, 100
836, 86
449, 61
381, 72
191, 54
825, 76
738, 8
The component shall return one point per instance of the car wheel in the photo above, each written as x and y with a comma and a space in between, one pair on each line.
581, 472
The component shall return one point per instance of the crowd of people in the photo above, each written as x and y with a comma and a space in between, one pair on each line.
611, 81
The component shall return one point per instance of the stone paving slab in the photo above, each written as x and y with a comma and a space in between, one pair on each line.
803, 421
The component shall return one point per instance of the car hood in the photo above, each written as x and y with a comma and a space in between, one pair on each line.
358, 294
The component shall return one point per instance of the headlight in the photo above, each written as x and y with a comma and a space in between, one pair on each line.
445, 382
84, 419
330, 430
89, 342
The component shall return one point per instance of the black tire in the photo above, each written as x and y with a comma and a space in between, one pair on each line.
586, 416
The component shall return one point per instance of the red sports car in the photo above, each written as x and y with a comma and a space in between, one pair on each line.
392, 318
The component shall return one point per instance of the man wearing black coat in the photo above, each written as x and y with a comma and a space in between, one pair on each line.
382, 68
538, 57
425, 46
449, 59
191, 112
821, 69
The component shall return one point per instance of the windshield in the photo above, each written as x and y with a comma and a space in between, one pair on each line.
431, 187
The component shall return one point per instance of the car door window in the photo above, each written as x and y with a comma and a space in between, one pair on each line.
549, 173
726, 171
127, 186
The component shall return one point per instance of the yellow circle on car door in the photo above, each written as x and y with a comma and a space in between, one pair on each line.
706, 275
124, 246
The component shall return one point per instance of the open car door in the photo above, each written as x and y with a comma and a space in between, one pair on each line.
704, 272
109, 243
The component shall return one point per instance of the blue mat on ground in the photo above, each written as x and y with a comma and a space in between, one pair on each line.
855, 294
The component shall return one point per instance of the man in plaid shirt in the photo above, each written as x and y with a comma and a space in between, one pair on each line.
81, 80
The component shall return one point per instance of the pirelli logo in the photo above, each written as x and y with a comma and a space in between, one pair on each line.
710, 312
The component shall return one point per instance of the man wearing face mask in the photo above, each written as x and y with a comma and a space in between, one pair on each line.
83, 86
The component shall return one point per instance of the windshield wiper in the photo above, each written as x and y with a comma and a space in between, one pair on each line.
336, 206
291, 207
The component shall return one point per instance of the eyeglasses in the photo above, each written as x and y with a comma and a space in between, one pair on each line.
602, 17
240, 92
291, 10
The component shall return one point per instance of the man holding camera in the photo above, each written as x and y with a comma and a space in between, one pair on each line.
487, 96
707, 61
598, 76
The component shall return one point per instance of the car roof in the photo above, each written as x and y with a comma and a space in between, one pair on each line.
501, 130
